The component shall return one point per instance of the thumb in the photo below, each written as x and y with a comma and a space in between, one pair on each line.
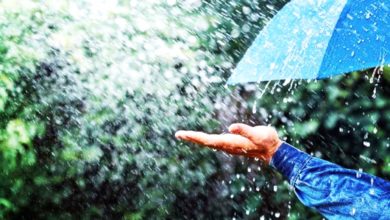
243, 130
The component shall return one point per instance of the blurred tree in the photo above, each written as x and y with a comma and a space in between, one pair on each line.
94, 126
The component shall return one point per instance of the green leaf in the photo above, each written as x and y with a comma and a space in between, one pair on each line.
6, 203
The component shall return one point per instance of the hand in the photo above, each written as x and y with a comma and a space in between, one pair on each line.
260, 141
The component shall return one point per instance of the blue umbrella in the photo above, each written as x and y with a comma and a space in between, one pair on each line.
314, 39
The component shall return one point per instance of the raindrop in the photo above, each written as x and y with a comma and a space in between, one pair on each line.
286, 82
271, 7
235, 33
374, 93
246, 10
368, 160
366, 143
368, 15
353, 211
246, 28
255, 17
254, 109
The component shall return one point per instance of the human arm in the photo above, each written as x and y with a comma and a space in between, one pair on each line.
334, 191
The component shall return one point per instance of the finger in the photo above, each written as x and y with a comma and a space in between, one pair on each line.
244, 130
194, 136
228, 142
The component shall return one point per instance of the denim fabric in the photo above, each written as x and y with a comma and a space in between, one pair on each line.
334, 191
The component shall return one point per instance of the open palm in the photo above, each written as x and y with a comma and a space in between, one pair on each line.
259, 141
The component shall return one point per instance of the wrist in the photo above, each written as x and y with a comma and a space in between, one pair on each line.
272, 150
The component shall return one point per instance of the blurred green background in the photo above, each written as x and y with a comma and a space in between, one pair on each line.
91, 93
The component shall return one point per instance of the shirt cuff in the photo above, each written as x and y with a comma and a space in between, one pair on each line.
289, 161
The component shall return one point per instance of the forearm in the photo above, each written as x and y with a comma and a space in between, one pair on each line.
331, 189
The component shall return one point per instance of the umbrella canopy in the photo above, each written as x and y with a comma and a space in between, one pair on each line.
313, 39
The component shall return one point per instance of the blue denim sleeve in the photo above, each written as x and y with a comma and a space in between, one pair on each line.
334, 191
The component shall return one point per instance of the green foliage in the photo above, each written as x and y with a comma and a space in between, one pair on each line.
83, 132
